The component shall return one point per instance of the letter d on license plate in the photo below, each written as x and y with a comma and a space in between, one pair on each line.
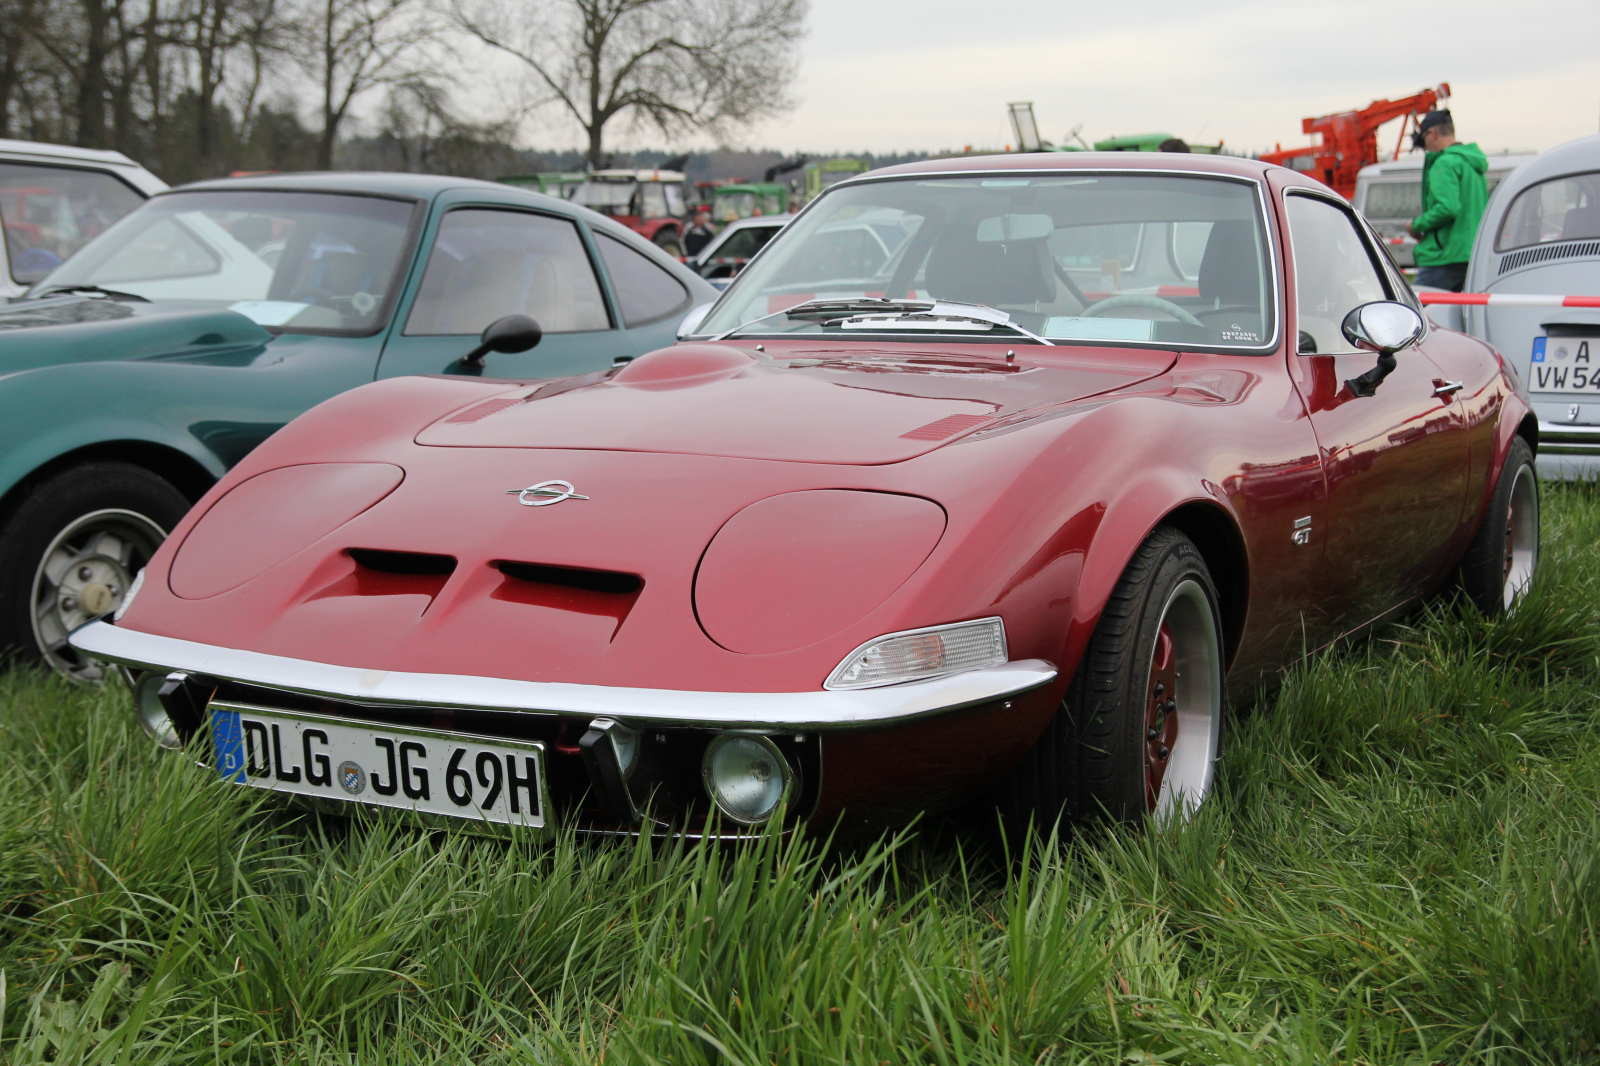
480, 779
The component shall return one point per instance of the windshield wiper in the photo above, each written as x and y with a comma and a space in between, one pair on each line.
868, 311
109, 293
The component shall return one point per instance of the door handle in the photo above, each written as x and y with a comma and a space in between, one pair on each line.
1445, 388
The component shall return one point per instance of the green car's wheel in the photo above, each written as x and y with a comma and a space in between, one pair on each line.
70, 552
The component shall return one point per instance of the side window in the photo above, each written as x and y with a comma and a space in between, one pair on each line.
646, 292
655, 200
1333, 270
488, 263
51, 212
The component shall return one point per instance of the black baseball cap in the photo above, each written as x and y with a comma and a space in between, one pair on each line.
1428, 122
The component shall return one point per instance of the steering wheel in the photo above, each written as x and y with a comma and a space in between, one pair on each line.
1134, 299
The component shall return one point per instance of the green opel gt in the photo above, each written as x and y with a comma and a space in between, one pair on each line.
137, 372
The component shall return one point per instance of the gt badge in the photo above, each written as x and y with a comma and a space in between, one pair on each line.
1302, 530
545, 493
352, 778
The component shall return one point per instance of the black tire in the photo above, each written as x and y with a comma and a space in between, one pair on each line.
1097, 757
102, 520
1504, 553
668, 242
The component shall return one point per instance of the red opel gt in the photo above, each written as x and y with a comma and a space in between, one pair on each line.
1000, 503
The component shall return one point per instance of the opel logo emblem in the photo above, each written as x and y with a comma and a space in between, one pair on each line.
545, 493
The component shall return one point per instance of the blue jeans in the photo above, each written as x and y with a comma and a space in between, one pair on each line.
1448, 276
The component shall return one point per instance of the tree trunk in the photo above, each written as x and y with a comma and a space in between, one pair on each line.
330, 121
92, 78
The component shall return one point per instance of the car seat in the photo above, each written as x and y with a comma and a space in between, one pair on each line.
1582, 221
997, 273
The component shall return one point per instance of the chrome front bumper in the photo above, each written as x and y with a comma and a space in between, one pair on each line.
817, 710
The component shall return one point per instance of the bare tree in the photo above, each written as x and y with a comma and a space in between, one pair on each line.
352, 46
676, 65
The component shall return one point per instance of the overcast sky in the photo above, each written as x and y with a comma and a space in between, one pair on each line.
898, 75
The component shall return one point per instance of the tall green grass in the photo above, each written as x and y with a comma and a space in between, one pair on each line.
1401, 865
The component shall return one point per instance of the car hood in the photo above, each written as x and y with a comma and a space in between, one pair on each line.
82, 329
857, 407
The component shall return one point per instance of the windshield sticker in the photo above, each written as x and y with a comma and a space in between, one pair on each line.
1066, 328
268, 312
1234, 333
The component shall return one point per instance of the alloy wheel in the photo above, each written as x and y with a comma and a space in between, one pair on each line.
1522, 535
84, 574
1183, 705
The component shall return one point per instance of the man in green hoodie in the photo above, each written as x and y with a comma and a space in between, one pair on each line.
1454, 193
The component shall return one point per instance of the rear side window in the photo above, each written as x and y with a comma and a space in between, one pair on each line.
645, 290
487, 264
1562, 209
51, 212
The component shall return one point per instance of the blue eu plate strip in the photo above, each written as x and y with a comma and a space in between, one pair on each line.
228, 739
1538, 349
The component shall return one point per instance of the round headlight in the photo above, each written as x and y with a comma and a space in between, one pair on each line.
152, 715
746, 776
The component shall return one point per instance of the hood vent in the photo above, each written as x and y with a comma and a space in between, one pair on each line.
479, 411
417, 564
945, 427
605, 593
390, 573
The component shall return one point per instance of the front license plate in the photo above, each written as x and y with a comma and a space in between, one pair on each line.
1566, 364
428, 771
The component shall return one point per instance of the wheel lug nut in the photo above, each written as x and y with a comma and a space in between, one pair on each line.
70, 603
85, 573
1152, 734
1172, 705
1160, 688
1161, 752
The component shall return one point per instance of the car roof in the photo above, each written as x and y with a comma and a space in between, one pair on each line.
381, 182
61, 153
1237, 166
1569, 158
1409, 166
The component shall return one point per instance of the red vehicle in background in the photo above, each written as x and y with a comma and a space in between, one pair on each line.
1350, 139
649, 202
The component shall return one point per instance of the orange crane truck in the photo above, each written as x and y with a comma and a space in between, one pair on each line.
1350, 138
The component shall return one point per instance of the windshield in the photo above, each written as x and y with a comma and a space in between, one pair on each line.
607, 197
311, 262
1077, 257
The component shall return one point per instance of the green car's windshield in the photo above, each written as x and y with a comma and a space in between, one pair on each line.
299, 262
1086, 257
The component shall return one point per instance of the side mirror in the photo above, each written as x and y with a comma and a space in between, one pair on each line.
511, 334
692, 320
1383, 327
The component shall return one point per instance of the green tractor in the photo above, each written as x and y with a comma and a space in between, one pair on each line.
729, 203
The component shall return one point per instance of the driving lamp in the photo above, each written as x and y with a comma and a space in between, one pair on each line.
746, 776
918, 654
153, 715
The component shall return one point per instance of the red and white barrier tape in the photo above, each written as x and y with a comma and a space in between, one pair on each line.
1502, 299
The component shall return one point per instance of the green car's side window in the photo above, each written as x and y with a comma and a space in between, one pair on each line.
489, 263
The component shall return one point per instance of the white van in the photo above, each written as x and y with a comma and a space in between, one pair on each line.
1389, 195
54, 199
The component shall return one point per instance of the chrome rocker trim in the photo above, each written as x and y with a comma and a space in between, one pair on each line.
817, 710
